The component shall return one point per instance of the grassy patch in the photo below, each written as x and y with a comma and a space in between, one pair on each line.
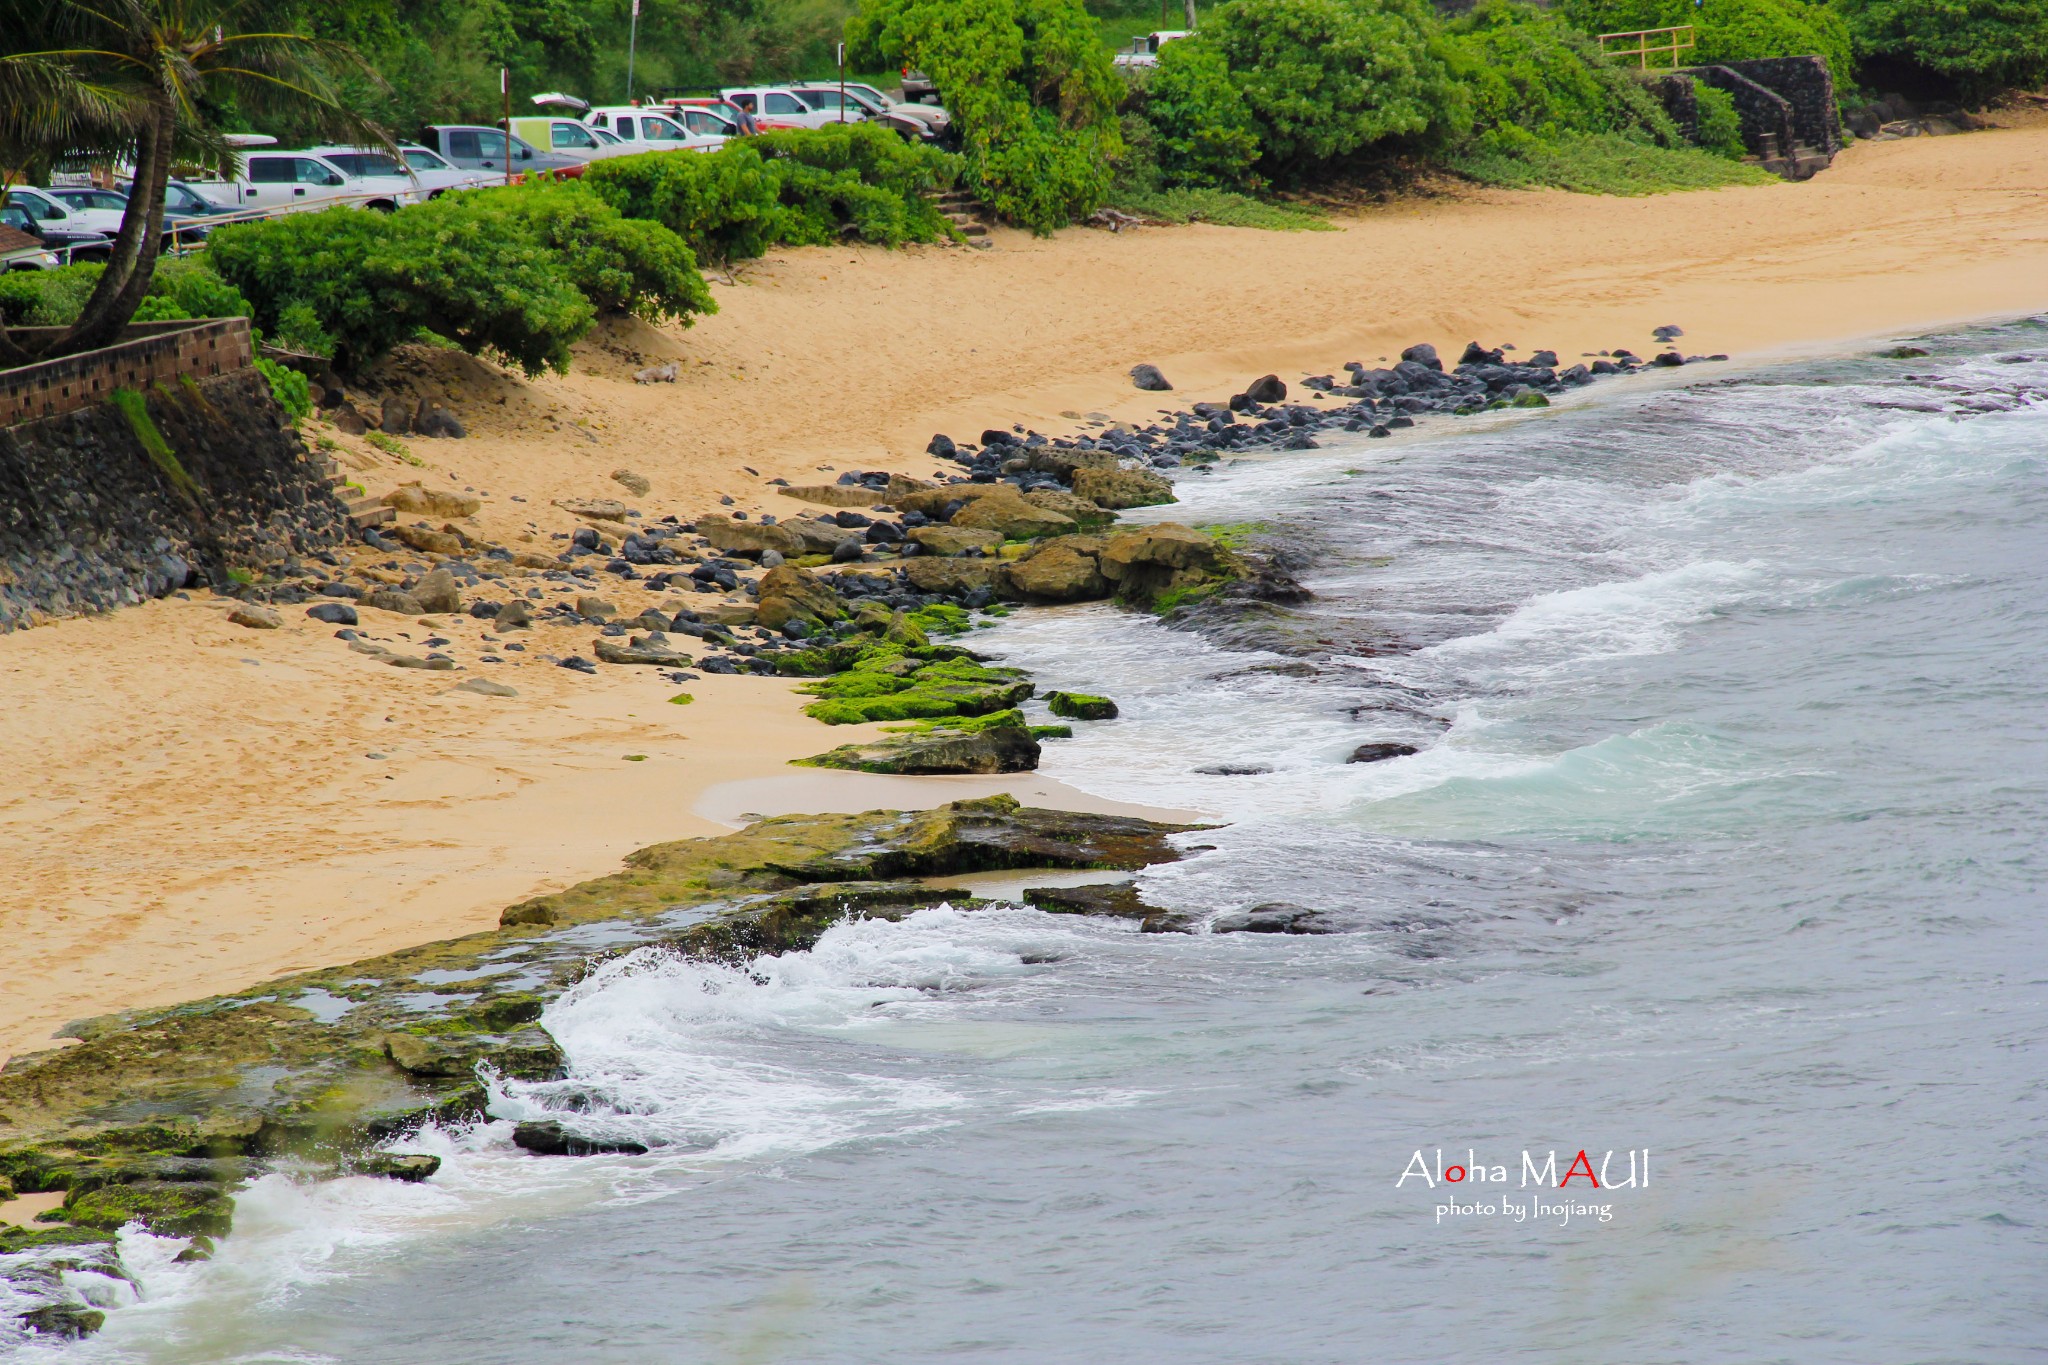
681, 699
391, 445
1225, 208
1604, 163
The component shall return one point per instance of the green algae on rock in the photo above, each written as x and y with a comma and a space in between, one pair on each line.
158, 1116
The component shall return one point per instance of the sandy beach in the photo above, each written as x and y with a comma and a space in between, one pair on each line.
195, 808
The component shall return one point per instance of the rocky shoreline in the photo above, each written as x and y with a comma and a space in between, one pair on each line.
157, 1118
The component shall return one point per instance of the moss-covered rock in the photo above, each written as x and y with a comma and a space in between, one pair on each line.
169, 1208
157, 1115
1081, 706
1008, 747
1121, 488
878, 688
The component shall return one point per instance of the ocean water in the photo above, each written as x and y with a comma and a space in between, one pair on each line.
1722, 853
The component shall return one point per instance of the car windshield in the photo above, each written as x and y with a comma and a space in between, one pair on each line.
609, 139
420, 159
365, 163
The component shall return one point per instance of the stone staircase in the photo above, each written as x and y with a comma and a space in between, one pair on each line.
364, 511
966, 213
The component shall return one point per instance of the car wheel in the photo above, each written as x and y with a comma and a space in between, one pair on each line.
381, 206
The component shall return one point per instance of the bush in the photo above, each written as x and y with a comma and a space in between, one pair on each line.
855, 175
620, 264
47, 298
522, 272
725, 205
372, 281
1200, 128
288, 387
1526, 67
1720, 126
1730, 30
1031, 91
1981, 46
1597, 163
1324, 79
190, 284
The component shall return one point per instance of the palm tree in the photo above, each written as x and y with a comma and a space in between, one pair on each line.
148, 81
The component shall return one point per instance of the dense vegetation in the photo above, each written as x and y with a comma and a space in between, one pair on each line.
1030, 88
796, 188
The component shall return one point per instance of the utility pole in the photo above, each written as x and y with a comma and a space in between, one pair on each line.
505, 88
842, 80
1191, 14
632, 49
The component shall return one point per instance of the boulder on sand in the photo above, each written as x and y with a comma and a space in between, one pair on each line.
748, 539
1148, 378
419, 500
792, 594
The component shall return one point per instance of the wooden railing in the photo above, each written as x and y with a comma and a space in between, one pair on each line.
1639, 47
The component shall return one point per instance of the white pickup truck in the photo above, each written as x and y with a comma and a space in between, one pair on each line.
288, 181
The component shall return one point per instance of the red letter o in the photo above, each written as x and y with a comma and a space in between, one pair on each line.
1450, 1179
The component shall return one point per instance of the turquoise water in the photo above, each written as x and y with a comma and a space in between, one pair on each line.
1724, 843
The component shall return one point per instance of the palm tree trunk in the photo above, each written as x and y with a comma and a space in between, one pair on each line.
125, 282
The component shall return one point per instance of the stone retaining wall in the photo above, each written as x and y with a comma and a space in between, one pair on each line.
90, 519
148, 353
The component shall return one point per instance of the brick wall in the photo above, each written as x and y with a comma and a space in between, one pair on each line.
148, 353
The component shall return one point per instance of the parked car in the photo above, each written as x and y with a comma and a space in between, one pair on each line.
285, 182
21, 249
647, 129
777, 106
50, 223
372, 163
916, 122
472, 148
569, 137
1144, 49
103, 209
714, 104
713, 118
434, 170
918, 87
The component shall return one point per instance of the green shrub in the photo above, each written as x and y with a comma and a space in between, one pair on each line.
1730, 30
1201, 132
858, 176
288, 387
725, 205
1325, 79
1527, 67
190, 284
521, 272
1981, 46
1031, 91
621, 264
298, 329
1720, 130
1597, 163
47, 298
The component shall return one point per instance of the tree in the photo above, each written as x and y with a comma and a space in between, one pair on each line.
1981, 46
1030, 88
1204, 134
149, 82
1326, 78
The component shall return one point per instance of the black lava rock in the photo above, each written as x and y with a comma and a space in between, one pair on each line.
333, 613
546, 1137
1376, 753
1148, 378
